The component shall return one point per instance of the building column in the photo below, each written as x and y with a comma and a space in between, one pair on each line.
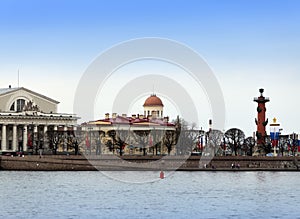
14, 141
35, 139
45, 136
3, 140
25, 136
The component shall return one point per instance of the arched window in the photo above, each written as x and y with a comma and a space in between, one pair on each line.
18, 105
12, 107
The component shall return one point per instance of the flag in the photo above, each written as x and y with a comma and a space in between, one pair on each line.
29, 140
274, 134
201, 144
87, 142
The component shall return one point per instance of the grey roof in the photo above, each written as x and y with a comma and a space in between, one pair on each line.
13, 89
7, 90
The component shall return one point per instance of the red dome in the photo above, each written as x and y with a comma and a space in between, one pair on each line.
153, 100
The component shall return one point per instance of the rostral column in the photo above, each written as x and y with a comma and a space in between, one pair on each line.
261, 122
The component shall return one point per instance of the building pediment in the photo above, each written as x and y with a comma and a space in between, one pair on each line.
23, 99
10, 91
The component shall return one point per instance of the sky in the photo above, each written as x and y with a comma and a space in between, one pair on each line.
247, 44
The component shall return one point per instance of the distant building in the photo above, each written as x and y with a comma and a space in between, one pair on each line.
26, 117
150, 127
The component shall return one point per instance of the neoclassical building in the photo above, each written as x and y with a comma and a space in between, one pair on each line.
26, 117
138, 132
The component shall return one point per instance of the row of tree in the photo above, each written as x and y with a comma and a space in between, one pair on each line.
213, 142
185, 139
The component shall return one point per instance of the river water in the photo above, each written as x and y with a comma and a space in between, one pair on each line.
179, 195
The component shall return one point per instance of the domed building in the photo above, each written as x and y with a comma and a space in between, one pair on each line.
142, 133
153, 106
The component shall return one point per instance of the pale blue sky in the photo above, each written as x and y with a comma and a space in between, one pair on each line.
248, 44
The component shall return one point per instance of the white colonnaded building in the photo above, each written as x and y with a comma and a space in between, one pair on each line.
29, 121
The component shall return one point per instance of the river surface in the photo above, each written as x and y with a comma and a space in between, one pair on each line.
179, 195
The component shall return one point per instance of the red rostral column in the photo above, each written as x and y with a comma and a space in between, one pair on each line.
261, 121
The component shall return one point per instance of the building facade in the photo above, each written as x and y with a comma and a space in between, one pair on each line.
135, 134
27, 118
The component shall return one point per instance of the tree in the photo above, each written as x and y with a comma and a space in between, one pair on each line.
267, 147
142, 138
118, 139
283, 144
53, 139
169, 140
248, 146
235, 139
155, 139
215, 138
186, 136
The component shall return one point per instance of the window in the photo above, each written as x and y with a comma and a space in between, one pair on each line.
20, 105
12, 108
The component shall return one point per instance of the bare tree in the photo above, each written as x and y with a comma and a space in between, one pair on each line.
235, 139
215, 138
109, 145
156, 138
118, 139
283, 144
142, 138
267, 146
53, 139
248, 146
170, 140
186, 136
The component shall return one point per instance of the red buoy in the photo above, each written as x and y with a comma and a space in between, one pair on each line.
161, 175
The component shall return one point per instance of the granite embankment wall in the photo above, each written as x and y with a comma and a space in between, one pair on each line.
108, 162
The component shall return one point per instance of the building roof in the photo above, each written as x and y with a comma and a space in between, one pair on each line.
7, 90
4, 91
121, 120
153, 100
